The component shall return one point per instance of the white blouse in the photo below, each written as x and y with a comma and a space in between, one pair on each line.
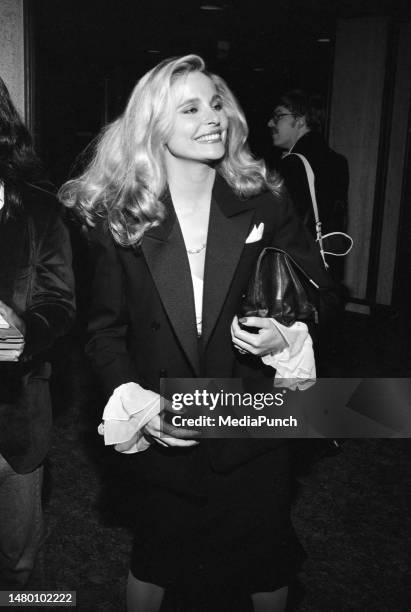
198, 285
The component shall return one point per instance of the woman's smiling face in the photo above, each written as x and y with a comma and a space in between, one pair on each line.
199, 120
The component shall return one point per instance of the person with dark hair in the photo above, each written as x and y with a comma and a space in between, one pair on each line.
179, 211
297, 125
36, 298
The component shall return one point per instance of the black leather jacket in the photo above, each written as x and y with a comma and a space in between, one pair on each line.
36, 280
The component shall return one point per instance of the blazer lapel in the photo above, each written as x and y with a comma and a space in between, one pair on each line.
230, 220
165, 253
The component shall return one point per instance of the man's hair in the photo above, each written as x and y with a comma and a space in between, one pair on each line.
18, 161
303, 104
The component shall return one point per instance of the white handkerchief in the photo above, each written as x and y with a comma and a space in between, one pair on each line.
256, 234
127, 411
295, 365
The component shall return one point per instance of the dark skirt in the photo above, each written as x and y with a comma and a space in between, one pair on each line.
238, 535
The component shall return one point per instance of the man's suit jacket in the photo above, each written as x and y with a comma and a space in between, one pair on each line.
331, 190
331, 181
36, 280
143, 319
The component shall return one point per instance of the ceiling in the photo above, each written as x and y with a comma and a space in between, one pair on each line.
245, 34
90, 53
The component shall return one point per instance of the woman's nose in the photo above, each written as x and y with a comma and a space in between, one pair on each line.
212, 116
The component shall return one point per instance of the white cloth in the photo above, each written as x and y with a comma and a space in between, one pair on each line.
256, 234
295, 365
198, 286
127, 411
1, 195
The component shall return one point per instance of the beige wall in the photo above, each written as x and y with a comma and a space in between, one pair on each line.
12, 49
358, 84
362, 77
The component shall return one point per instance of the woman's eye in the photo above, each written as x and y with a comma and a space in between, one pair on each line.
218, 106
190, 110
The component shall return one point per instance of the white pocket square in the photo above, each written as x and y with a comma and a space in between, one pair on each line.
256, 234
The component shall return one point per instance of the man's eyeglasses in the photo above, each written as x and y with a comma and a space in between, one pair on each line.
276, 117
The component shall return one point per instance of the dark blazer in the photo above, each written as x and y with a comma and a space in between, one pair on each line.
36, 280
143, 319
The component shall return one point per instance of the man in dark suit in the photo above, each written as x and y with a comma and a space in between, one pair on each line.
296, 126
36, 297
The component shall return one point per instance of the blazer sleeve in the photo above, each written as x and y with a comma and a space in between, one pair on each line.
51, 305
108, 320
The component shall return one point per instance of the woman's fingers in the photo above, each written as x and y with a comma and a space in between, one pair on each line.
267, 340
260, 322
158, 426
159, 441
152, 426
167, 435
240, 350
242, 339
241, 345
177, 442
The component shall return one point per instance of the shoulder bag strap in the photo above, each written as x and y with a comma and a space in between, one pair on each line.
310, 178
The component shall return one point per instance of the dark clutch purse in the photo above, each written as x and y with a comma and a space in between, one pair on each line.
276, 289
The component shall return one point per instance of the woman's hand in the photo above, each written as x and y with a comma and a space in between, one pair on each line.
267, 340
165, 434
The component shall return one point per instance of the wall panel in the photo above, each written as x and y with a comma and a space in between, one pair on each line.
356, 105
12, 49
395, 166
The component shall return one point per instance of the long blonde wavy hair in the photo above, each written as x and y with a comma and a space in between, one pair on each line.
126, 178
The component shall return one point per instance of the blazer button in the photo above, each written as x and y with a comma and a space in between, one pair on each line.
162, 373
155, 325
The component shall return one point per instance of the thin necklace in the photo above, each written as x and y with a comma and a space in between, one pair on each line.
196, 251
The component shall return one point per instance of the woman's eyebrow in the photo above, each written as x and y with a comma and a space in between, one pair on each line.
189, 101
197, 100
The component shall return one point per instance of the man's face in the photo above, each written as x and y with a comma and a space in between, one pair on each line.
284, 129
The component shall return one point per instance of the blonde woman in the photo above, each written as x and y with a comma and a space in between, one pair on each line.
180, 211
